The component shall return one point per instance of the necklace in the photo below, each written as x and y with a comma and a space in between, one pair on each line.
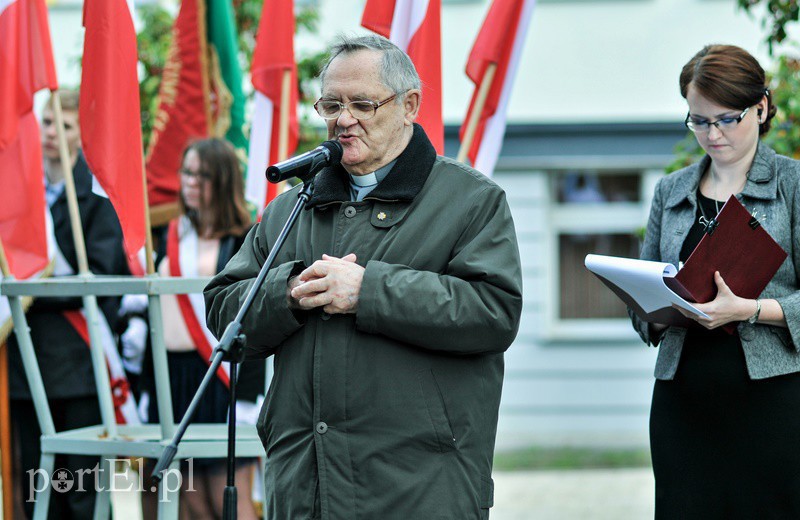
703, 220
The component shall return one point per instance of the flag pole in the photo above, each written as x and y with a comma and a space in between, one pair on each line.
283, 122
5, 435
477, 108
69, 185
99, 366
148, 234
27, 301
5, 413
6, 455
5, 269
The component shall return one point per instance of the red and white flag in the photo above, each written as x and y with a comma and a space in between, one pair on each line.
415, 27
26, 62
111, 132
499, 41
272, 57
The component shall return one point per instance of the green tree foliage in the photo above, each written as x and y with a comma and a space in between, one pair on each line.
155, 37
784, 81
778, 14
785, 134
153, 44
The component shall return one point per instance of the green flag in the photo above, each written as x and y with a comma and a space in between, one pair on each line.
226, 71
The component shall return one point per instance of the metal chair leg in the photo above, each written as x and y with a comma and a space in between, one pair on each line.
169, 492
102, 501
47, 464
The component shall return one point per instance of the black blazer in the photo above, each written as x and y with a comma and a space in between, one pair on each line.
64, 359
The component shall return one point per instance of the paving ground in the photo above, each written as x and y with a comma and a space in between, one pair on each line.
620, 494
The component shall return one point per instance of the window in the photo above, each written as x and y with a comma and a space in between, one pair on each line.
592, 211
582, 295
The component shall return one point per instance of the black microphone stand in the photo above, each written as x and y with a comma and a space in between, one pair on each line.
231, 349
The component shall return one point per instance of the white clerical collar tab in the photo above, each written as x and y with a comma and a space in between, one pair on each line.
369, 179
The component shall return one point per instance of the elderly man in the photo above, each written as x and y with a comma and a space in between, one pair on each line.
388, 312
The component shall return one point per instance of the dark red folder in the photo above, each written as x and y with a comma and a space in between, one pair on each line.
741, 250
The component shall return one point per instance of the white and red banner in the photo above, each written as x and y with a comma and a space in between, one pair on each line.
415, 27
500, 41
182, 257
125, 409
272, 58
26, 66
111, 131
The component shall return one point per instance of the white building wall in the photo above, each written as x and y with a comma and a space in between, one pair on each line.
579, 391
584, 60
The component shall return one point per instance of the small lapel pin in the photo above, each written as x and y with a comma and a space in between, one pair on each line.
381, 216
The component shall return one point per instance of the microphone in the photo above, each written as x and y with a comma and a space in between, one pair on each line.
306, 165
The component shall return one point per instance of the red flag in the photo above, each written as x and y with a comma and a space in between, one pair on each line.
184, 110
24, 233
500, 41
378, 15
26, 59
111, 134
273, 56
415, 27
26, 62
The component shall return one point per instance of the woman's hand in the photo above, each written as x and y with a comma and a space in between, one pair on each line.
724, 309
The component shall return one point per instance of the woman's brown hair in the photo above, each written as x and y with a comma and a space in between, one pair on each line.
729, 76
227, 212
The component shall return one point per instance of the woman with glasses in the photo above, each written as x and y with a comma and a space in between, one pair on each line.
725, 415
211, 230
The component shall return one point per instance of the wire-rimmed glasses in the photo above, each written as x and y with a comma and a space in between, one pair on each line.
361, 109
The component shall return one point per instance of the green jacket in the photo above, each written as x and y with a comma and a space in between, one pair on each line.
390, 412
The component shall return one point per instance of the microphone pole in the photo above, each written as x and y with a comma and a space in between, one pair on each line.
231, 346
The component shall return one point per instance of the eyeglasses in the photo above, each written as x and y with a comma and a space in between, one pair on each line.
700, 126
361, 109
201, 176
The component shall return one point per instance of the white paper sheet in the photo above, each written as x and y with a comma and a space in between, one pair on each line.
643, 280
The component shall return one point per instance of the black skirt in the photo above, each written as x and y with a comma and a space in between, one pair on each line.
186, 372
725, 446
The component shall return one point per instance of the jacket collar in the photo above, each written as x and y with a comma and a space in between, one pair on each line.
762, 182
82, 177
403, 182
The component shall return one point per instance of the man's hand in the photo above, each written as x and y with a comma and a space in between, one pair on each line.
331, 283
293, 282
725, 308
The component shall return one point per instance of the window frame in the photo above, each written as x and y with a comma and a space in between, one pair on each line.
577, 218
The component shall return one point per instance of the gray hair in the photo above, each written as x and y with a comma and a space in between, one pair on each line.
397, 70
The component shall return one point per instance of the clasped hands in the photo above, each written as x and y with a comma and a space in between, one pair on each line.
331, 283
726, 307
